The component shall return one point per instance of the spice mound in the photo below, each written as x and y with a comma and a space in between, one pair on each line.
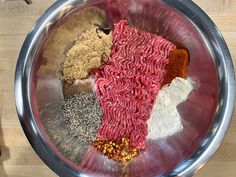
177, 66
165, 119
82, 116
120, 150
90, 51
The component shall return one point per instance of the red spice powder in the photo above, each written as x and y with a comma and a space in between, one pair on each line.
177, 66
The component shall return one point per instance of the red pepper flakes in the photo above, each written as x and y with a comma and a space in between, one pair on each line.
120, 150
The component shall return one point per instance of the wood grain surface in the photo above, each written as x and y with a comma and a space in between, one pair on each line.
18, 159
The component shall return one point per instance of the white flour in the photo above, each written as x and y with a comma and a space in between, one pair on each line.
165, 119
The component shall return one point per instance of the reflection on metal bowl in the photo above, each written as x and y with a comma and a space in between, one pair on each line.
205, 115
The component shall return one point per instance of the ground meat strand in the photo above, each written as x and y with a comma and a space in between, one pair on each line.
128, 84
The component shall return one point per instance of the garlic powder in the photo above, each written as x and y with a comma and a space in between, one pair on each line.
164, 118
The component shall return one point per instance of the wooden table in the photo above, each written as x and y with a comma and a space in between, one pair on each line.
18, 159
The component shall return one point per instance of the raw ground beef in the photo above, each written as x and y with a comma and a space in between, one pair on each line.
128, 84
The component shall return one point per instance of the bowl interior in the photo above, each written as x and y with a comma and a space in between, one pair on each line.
197, 112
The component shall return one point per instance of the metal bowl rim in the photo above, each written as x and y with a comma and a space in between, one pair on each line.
24, 110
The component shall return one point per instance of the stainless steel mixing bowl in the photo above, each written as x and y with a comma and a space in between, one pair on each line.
205, 115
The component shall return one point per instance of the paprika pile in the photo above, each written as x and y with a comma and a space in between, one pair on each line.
177, 66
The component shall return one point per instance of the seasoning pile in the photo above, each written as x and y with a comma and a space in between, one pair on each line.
82, 115
90, 51
120, 150
165, 119
124, 89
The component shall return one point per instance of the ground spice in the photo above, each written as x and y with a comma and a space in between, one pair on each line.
63, 38
165, 119
177, 67
121, 150
82, 115
90, 51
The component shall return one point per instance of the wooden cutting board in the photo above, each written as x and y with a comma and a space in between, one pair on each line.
18, 158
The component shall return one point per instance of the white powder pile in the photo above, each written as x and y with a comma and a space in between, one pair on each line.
165, 119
